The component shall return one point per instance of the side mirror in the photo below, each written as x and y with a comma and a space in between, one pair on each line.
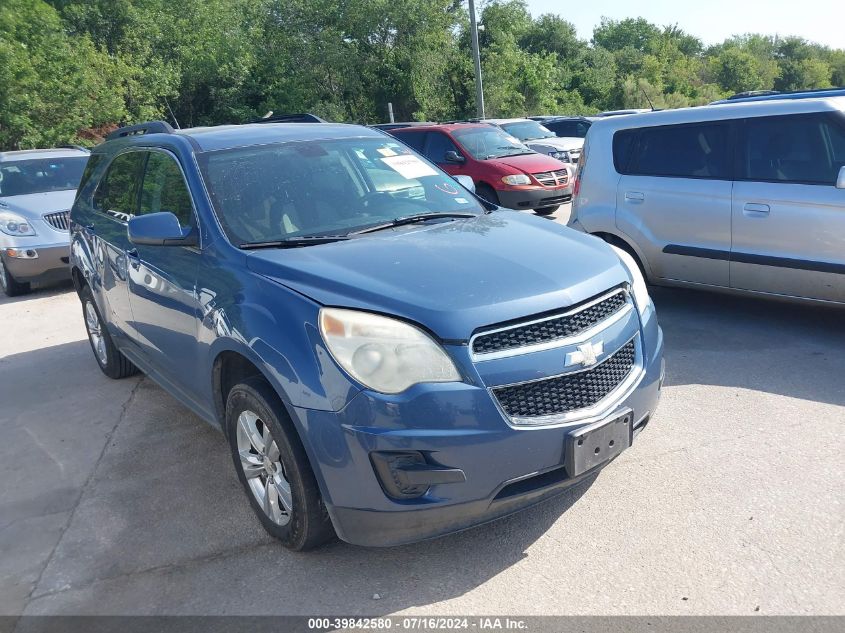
453, 157
159, 229
840, 180
466, 182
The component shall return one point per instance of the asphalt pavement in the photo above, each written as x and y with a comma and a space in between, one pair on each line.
114, 499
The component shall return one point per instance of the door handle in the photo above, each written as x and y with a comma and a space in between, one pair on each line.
634, 196
755, 210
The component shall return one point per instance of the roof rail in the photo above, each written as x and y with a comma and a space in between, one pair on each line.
301, 117
772, 95
753, 93
150, 127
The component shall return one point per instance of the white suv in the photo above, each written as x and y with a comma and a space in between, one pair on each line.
748, 197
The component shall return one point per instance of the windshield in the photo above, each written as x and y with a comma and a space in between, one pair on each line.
294, 190
21, 177
527, 130
489, 142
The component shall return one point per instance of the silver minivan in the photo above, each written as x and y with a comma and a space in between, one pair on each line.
747, 197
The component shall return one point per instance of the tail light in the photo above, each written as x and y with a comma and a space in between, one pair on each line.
579, 172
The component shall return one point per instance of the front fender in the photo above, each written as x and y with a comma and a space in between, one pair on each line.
279, 335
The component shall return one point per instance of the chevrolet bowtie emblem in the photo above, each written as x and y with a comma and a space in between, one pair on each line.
586, 355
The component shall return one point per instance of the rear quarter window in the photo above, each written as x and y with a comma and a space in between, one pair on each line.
622, 142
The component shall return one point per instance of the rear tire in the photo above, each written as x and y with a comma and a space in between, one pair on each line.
488, 193
10, 285
546, 210
110, 360
273, 468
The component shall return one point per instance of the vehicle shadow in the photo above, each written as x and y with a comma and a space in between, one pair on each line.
761, 344
163, 526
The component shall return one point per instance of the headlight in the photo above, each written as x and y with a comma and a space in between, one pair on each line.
564, 156
13, 224
516, 179
384, 354
638, 285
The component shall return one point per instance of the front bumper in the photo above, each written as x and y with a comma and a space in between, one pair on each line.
52, 263
455, 425
537, 198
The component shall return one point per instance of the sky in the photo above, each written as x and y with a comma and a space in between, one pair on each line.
711, 20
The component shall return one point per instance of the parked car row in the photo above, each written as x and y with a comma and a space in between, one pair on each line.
372, 333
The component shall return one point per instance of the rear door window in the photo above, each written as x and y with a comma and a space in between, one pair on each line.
680, 151
805, 149
117, 193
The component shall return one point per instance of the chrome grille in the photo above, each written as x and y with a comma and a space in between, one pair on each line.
550, 329
552, 178
569, 392
60, 220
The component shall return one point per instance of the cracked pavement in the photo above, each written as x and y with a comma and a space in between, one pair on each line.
114, 499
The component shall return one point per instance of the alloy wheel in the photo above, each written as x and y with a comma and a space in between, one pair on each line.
2, 274
263, 469
95, 333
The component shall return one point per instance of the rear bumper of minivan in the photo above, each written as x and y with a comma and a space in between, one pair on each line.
458, 428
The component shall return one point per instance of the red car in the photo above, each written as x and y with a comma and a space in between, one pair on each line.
505, 171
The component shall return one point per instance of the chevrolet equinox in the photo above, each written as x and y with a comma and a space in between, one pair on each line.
390, 357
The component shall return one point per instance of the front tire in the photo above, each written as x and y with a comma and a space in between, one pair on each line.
546, 210
273, 468
110, 360
10, 285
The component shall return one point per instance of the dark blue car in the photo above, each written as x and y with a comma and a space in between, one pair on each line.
389, 357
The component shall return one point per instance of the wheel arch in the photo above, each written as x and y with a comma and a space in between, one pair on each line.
231, 366
628, 245
78, 279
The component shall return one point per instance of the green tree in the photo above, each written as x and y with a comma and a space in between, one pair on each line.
54, 87
636, 33
737, 70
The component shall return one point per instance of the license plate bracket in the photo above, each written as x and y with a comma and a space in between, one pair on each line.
594, 444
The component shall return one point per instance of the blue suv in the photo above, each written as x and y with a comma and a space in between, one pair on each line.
390, 357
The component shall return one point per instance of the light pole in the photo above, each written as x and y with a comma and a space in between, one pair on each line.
476, 57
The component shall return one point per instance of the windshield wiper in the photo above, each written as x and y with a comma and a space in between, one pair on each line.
294, 242
412, 219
